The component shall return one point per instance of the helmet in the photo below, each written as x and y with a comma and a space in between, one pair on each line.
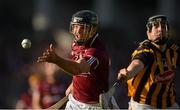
85, 18
158, 19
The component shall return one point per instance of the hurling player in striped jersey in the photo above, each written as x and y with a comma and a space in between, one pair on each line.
150, 75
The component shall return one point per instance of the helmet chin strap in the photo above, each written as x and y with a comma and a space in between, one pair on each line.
160, 41
80, 42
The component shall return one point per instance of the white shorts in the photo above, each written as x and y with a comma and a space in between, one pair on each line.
73, 104
133, 105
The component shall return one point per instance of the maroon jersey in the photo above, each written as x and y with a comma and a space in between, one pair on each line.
50, 93
88, 86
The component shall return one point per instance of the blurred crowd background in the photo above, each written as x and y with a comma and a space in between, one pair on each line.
122, 27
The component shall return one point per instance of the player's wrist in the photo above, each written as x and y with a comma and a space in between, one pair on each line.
126, 73
123, 76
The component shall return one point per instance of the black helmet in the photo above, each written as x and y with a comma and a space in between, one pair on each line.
86, 18
155, 19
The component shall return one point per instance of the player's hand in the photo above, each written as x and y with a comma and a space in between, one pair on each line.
48, 56
122, 75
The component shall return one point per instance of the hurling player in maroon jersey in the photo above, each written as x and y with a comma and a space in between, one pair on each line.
89, 63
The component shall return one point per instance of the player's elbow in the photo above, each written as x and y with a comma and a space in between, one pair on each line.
82, 68
85, 68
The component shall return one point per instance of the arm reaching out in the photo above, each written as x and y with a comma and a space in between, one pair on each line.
72, 67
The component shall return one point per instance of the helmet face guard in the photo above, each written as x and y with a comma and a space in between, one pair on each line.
159, 20
86, 19
86, 32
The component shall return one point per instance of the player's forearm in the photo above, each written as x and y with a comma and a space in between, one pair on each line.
69, 66
134, 68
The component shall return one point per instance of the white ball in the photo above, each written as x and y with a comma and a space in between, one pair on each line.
26, 43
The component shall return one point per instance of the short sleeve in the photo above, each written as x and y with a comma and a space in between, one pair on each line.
92, 58
95, 57
143, 54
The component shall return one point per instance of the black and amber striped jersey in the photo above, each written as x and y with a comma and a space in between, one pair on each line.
154, 84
